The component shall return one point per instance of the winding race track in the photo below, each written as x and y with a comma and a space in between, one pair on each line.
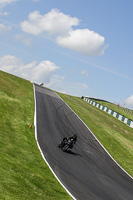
87, 171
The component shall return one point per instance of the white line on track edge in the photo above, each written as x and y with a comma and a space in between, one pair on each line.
35, 125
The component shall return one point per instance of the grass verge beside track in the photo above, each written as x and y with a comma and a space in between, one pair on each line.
23, 172
115, 136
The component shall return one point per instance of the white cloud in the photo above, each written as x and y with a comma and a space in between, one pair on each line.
84, 41
9, 63
129, 101
60, 26
56, 82
43, 72
54, 22
37, 72
4, 28
83, 72
3, 3
7, 1
26, 40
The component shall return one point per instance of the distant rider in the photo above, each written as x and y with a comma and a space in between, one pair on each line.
71, 139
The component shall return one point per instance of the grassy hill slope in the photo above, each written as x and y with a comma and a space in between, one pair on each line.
23, 172
115, 136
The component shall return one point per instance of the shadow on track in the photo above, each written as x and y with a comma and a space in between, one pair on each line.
72, 153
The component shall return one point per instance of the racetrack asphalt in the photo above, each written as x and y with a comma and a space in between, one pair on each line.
87, 171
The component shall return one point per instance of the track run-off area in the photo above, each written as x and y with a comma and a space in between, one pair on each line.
87, 171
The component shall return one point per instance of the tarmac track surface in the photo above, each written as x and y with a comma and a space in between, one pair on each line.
87, 171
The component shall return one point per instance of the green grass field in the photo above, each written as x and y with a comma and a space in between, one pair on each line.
23, 173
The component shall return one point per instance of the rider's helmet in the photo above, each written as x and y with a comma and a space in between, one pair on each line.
74, 136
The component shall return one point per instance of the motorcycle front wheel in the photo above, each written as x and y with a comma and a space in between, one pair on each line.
65, 147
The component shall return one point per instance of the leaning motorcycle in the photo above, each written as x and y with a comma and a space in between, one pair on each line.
64, 145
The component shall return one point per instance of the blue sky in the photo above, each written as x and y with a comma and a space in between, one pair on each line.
76, 47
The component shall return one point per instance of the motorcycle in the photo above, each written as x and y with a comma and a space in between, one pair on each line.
65, 144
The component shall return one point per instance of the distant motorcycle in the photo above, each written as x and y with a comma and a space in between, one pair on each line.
68, 143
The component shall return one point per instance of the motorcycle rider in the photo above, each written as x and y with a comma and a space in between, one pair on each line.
71, 139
